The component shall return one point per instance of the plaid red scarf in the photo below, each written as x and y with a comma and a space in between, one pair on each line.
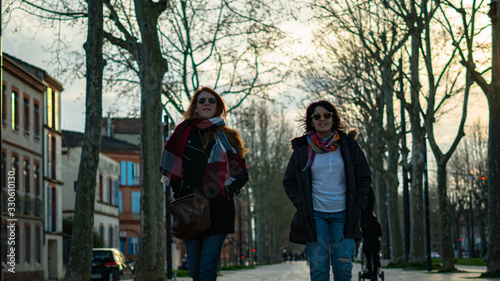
317, 145
217, 171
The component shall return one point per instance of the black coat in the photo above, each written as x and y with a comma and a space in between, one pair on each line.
194, 163
298, 187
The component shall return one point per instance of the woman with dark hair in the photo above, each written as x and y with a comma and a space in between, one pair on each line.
327, 180
204, 154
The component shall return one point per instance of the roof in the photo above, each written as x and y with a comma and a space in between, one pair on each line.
124, 125
37, 72
75, 139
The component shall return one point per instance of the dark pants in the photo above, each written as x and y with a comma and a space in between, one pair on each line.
372, 263
203, 256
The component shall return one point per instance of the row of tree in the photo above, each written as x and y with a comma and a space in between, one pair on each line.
134, 44
423, 54
168, 48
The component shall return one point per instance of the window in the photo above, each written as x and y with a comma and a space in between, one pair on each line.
15, 109
26, 174
26, 101
52, 209
123, 173
36, 120
52, 109
15, 169
110, 191
27, 244
38, 239
131, 173
4, 169
110, 236
36, 177
101, 231
136, 201
51, 156
4, 103
120, 202
133, 245
135, 174
100, 187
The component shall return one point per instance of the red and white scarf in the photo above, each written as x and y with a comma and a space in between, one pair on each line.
217, 173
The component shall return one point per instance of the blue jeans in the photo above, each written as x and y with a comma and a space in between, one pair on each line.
203, 256
330, 248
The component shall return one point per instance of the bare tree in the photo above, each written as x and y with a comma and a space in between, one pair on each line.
468, 170
145, 52
223, 44
267, 134
80, 257
368, 39
491, 91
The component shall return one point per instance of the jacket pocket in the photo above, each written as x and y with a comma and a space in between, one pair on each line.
299, 223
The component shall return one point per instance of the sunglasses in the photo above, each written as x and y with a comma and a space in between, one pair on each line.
204, 100
317, 116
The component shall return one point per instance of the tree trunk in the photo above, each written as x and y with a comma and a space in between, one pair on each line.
391, 178
417, 234
152, 67
380, 206
446, 241
493, 256
80, 256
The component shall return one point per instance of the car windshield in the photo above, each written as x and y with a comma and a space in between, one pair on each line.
102, 256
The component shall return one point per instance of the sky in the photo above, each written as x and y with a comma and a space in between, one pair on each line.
25, 39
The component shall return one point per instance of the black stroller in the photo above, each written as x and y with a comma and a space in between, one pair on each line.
364, 274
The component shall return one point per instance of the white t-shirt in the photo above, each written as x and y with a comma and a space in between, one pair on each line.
328, 182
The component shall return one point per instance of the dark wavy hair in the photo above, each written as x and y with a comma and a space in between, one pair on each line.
220, 110
306, 120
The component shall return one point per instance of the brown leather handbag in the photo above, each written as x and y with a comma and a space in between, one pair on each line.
190, 215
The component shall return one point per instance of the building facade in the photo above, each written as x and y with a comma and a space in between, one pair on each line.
31, 147
106, 215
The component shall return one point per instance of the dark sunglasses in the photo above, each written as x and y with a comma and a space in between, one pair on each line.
204, 100
317, 116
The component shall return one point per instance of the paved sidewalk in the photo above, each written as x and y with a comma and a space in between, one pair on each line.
299, 271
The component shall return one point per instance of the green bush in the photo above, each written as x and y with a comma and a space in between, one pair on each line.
181, 273
470, 261
235, 267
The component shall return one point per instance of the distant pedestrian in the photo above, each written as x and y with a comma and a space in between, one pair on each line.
371, 247
204, 154
327, 180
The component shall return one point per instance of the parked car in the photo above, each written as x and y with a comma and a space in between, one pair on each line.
110, 264
434, 255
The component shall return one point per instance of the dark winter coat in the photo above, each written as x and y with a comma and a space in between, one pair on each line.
194, 163
298, 187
